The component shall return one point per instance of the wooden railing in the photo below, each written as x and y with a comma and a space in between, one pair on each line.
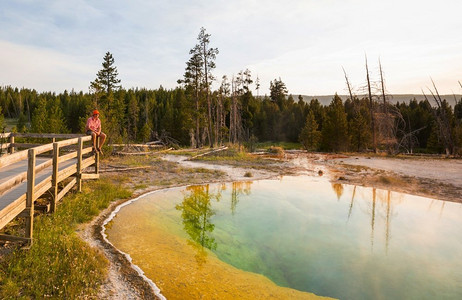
25, 184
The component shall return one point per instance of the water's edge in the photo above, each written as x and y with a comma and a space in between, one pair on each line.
111, 216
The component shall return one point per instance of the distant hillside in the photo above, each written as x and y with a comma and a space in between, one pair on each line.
326, 99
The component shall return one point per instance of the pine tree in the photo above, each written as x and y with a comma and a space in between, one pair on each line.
22, 123
39, 116
458, 126
145, 133
56, 122
132, 115
106, 78
198, 79
181, 117
192, 79
2, 118
278, 92
310, 137
208, 58
359, 132
335, 126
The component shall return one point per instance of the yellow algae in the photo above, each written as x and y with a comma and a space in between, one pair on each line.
182, 268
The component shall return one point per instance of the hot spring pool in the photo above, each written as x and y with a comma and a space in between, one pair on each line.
292, 237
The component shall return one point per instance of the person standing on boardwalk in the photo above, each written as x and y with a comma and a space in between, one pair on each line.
93, 128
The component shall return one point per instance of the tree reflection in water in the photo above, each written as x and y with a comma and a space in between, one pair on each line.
196, 211
381, 205
338, 189
239, 188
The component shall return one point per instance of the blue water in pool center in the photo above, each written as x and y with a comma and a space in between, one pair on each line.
329, 239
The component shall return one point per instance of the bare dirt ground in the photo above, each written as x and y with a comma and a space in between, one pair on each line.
435, 178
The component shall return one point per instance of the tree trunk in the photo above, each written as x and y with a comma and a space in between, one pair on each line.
371, 108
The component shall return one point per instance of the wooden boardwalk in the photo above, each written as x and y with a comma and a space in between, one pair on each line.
25, 176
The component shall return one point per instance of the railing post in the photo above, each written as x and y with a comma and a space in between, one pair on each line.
54, 176
30, 194
11, 143
97, 157
79, 165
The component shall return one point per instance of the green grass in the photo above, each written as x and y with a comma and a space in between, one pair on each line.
59, 264
283, 145
140, 186
239, 158
138, 161
10, 123
225, 155
189, 152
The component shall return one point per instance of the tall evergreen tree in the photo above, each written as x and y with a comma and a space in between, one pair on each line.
278, 92
208, 59
106, 78
192, 79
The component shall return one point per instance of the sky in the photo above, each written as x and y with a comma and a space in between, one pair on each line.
52, 45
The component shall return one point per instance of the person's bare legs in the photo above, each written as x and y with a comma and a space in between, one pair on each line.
93, 139
102, 139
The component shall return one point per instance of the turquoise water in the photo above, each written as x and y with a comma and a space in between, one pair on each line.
333, 240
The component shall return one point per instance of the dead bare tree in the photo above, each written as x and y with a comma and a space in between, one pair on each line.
348, 84
409, 140
220, 126
235, 124
442, 119
387, 122
240, 87
390, 119
371, 108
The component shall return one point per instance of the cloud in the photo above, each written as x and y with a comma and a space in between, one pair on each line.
42, 69
304, 42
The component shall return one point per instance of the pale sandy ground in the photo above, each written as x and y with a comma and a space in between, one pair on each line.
437, 178
447, 171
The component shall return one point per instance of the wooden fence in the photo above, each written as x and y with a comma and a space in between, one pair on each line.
24, 180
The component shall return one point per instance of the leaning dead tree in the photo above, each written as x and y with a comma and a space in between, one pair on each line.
371, 108
409, 140
220, 122
358, 136
442, 119
387, 127
235, 123
390, 123
350, 91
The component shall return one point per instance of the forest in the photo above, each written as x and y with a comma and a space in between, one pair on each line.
192, 114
